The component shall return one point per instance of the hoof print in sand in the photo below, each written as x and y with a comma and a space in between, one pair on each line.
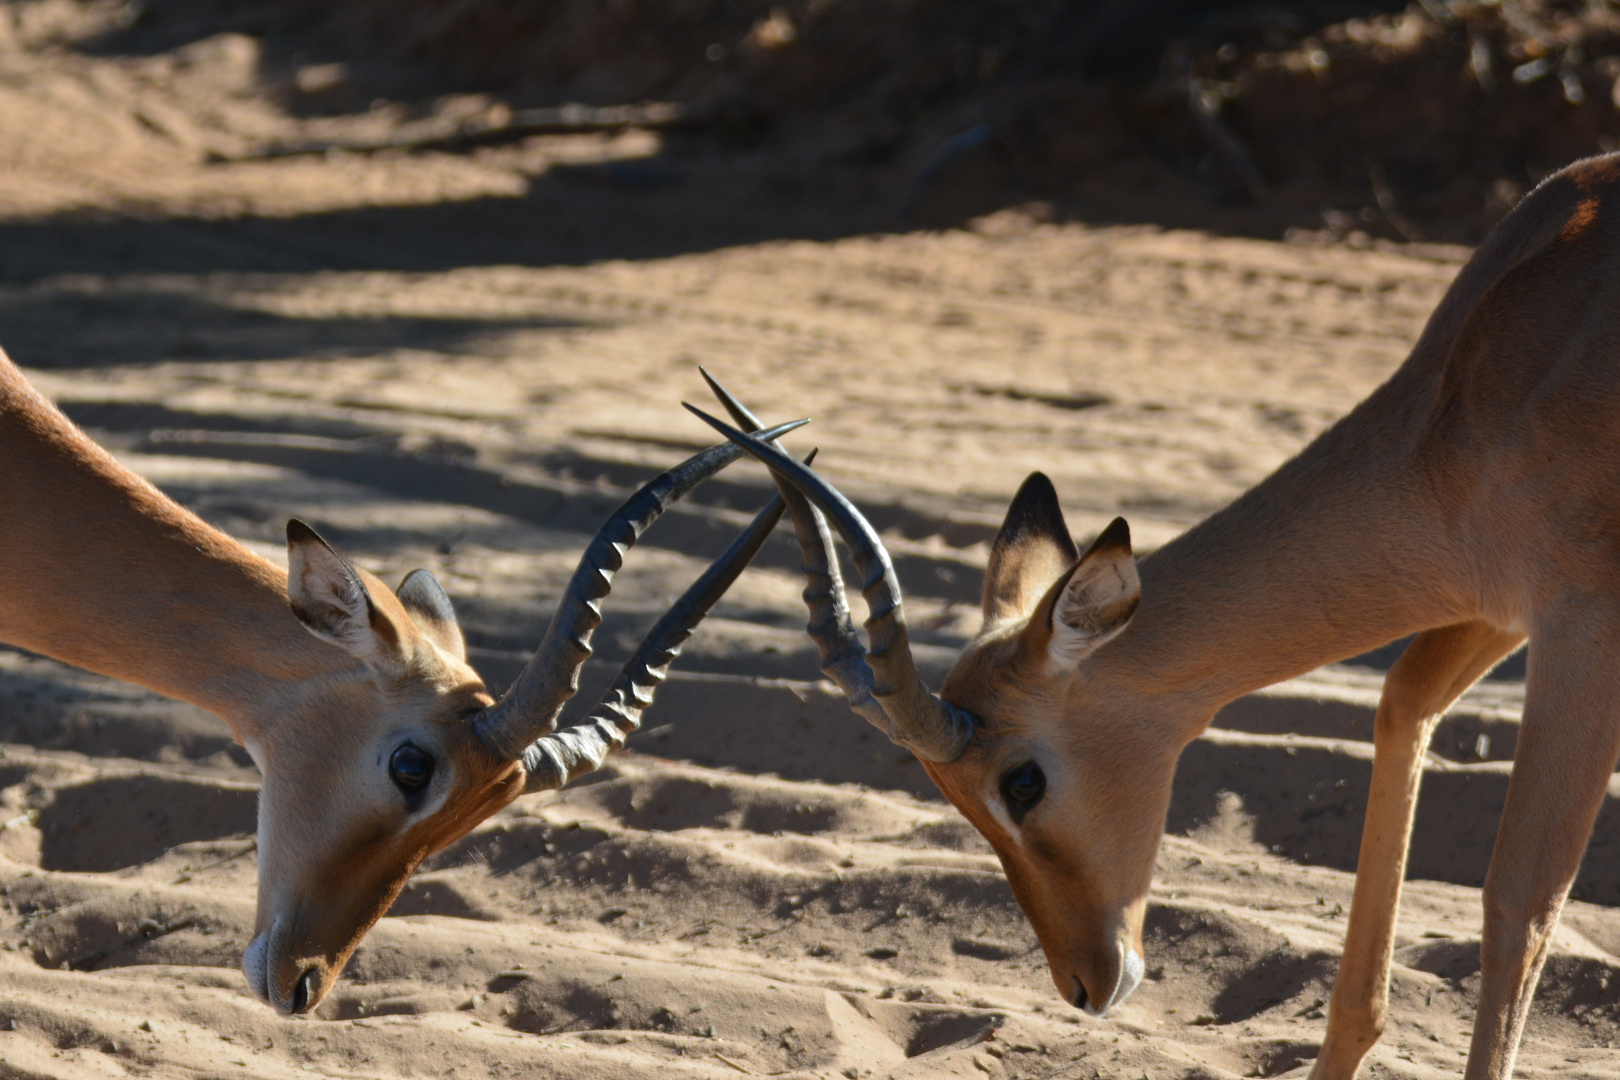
921, 1030
429, 895
1246, 969
124, 821
124, 929
1273, 1057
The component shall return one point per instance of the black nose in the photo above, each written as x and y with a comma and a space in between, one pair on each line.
1080, 998
301, 992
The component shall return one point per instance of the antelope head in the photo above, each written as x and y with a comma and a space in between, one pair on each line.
1025, 738
1058, 777
404, 750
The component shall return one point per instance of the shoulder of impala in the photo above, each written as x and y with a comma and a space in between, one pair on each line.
1473, 500
378, 743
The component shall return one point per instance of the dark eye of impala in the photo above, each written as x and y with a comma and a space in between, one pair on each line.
1022, 787
410, 768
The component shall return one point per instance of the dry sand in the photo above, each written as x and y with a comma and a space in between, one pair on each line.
462, 363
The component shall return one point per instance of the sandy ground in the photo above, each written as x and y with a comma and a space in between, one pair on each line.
463, 362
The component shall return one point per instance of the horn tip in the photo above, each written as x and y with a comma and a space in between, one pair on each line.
714, 422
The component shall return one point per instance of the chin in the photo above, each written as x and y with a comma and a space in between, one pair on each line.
1131, 970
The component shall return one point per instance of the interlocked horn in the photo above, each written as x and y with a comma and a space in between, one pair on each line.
529, 709
912, 716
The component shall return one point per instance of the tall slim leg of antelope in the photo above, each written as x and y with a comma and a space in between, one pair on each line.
1430, 675
1568, 744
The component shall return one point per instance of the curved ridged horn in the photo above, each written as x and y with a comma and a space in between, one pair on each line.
529, 708
843, 657
555, 759
932, 729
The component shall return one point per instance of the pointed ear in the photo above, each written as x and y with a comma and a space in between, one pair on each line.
1094, 602
1032, 550
330, 599
429, 607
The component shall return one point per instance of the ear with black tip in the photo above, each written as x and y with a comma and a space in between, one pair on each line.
430, 608
1031, 551
1096, 600
329, 598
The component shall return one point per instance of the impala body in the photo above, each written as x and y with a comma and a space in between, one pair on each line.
378, 743
1473, 500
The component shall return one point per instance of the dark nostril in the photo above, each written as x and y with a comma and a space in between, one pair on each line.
1079, 994
303, 991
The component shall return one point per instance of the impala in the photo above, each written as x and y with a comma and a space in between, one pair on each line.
378, 743
1473, 500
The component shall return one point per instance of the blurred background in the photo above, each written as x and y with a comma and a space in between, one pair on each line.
1418, 122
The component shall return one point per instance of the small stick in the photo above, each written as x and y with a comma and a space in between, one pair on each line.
553, 120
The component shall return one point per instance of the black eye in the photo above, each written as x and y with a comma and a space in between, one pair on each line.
1022, 788
411, 768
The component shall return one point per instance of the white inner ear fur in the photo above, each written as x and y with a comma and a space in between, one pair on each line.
1094, 606
330, 600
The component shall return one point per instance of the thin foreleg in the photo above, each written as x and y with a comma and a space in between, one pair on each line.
1568, 744
1430, 675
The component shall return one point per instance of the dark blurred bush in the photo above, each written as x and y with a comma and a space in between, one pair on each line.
1425, 120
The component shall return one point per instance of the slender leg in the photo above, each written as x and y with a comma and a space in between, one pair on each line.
1566, 754
1431, 674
